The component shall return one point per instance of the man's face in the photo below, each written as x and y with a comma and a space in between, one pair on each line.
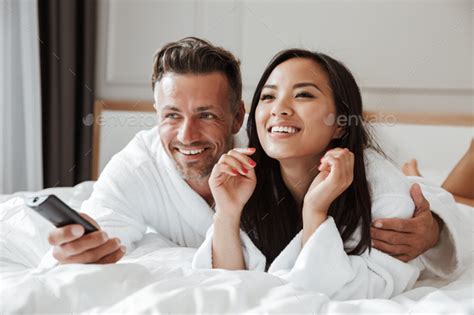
195, 120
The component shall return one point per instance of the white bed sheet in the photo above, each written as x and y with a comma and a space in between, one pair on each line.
158, 278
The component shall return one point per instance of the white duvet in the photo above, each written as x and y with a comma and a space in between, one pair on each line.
158, 278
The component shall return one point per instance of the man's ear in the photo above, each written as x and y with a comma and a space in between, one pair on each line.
238, 118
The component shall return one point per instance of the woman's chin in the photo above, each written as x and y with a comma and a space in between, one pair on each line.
280, 154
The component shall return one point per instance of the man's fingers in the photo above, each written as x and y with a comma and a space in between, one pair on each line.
393, 250
88, 218
390, 237
394, 224
88, 241
65, 234
112, 258
95, 254
421, 204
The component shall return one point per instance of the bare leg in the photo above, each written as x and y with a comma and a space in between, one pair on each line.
460, 181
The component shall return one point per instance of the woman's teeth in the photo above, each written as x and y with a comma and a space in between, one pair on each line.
283, 129
191, 152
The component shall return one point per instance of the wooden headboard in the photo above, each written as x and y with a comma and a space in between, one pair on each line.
146, 106
113, 105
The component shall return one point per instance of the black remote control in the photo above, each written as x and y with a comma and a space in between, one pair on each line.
57, 212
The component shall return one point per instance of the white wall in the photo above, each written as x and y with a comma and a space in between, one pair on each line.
406, 55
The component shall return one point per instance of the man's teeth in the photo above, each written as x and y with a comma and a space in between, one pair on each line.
191, 152
283, 129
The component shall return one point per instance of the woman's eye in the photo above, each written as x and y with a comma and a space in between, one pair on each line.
208, 116
264, 97
305, 95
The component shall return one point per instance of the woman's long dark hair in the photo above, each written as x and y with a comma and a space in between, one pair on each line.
272, 217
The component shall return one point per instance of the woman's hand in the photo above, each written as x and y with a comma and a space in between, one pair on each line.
336, 173
232, 182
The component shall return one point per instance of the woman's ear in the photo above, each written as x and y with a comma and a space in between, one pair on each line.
238, 118
339, 133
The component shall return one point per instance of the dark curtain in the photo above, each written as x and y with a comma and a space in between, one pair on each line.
67, 37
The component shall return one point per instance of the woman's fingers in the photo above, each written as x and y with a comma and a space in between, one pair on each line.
340, 163
247, 151
238, 161
222, 168
242, 155
233, 163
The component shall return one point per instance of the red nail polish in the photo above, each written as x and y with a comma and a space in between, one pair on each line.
244, 170
234, 171
252, 163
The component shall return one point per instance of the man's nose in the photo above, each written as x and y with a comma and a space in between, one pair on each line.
188, 132
282, 107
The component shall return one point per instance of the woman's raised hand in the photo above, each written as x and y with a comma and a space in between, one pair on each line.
232, 182
336, 173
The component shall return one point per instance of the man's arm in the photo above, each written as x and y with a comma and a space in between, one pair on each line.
407, 239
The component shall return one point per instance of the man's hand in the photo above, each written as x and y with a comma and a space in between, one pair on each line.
72, 246
406, 239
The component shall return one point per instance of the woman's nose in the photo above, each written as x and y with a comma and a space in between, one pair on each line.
282, 108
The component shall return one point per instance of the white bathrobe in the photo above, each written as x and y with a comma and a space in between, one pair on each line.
140, 187
322, 264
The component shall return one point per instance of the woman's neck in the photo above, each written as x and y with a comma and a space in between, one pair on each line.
298, 174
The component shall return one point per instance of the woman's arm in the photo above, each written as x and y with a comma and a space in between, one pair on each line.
232, 182
226, 247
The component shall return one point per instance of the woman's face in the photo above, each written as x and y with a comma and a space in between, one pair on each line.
296, 112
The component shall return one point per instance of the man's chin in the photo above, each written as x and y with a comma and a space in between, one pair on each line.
192, 171
195, 176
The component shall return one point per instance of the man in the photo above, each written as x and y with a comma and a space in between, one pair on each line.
160, 179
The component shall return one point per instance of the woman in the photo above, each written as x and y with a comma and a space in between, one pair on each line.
307, 197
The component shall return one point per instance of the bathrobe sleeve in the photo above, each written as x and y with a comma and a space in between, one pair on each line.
118, 202
323, 265
253, 258
120, 199
446, 258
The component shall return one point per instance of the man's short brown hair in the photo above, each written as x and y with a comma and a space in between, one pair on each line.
193, 55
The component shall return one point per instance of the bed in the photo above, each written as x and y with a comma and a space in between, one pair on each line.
157, 277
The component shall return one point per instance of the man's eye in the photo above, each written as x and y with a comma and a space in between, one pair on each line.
305, 95
264, 97
171, 116
208, 116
